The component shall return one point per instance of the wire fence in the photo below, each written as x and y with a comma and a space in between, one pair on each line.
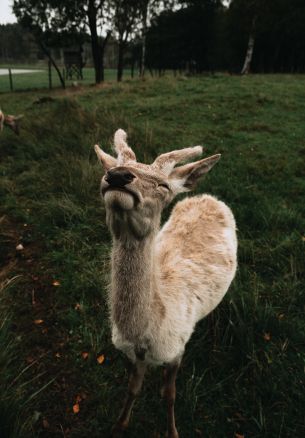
21, 78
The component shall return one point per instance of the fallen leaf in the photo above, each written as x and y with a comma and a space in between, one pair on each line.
267, 336
56, 283
45, 423
57, 354
38, 321
85, 355
281, 316
19, 247
101, 359
76, 408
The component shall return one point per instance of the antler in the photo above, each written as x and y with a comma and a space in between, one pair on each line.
125, 153
166, 162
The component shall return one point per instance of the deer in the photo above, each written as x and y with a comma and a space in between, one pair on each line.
163, 281
10, 121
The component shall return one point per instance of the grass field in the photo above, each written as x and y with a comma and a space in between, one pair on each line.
39, 79
243, 371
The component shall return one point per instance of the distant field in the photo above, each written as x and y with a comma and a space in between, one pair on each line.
39, 79
243, 371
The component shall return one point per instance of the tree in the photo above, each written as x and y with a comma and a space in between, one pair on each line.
36, 16
44, 17
253, 14
184, 38
144, 9
126, 18
96, 13
16, 44
149, 9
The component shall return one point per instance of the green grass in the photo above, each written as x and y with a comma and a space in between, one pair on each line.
243, 370
40, 79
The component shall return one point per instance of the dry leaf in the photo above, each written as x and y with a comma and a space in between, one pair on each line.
56, 283
38, 321
101, 359
281, 316
45, 423
85, 355
267, 336
57, 354
76, 408
19, 247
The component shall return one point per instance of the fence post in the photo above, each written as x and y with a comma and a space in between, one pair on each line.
11, 78
50, 74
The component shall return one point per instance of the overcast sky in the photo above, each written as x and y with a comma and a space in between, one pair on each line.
6, 15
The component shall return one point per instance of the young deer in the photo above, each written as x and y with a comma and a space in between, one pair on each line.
163, 281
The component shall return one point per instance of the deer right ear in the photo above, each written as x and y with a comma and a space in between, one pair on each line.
106, 160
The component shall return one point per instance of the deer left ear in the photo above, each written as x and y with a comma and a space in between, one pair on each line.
106, 160
185, 177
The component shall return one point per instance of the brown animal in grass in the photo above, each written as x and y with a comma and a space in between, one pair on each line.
10, 121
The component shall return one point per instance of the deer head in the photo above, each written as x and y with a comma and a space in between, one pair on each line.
135, 193
10, 121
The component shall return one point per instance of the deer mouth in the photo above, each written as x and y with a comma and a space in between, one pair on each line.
121, 197
120, 189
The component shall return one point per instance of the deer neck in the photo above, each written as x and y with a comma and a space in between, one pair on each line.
134, 285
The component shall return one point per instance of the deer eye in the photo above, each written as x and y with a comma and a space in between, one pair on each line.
165, 186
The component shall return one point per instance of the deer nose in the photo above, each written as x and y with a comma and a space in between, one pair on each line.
118, 178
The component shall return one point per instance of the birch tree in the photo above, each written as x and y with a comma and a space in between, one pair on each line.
251, 12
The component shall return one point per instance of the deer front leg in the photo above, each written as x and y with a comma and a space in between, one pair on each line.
169, 392
136, 377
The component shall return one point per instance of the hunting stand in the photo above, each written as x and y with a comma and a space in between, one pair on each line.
74, 64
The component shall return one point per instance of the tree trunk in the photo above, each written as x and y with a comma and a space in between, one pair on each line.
247, 64
120, 61
48, 54
143, 42
249, 54
97, 50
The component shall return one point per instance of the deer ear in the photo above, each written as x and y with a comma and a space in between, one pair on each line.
106, 160
185, 177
